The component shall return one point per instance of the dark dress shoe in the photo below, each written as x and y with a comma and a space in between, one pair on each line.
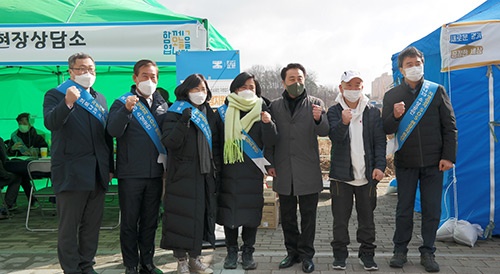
150, 269
288, 261
131, 270
307, 265
91, 272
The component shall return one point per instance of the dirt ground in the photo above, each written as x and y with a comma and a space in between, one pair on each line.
325, 146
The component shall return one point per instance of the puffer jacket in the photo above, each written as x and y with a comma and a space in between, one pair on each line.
374, 143
190, 197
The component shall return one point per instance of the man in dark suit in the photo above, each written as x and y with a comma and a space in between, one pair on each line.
139, 165
81, 162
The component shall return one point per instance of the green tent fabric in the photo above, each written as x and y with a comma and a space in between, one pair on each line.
25, 86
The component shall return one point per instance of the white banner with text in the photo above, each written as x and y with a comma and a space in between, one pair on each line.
108, 43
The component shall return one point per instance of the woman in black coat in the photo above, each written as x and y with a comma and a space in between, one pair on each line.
190, 188
240, 196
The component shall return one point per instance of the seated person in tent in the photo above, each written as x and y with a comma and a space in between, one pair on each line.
25, 141
9, 179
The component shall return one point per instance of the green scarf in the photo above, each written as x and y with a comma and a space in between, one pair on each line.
233, 145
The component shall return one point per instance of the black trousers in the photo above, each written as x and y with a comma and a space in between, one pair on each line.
20, 167
139, 204
80, 216
431, 188
342, 202
248, 235
299, 243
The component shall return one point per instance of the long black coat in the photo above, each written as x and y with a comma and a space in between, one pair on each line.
190, 197
240, 196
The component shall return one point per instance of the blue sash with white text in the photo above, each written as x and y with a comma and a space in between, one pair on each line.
148, 122
197, 117
415, 112
86, 101
250, 148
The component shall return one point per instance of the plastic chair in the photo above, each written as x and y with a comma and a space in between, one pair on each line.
112, 193
39, 169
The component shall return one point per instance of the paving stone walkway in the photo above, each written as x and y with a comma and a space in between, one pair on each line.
22, 251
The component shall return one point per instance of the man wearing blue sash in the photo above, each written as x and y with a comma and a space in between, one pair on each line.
427, 140
135, 119
81, 162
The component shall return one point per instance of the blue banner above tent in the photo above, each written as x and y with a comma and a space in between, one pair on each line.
218, 67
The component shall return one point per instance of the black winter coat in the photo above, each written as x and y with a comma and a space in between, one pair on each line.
190, 200
374, 142
433, 138
240, 196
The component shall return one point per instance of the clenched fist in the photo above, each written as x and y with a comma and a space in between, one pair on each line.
131, 101
72, 94
399, 109
317, 110
265, 117
346, 116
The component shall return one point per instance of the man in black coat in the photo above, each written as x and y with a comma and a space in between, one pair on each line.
81, 162
430, 149
139, 167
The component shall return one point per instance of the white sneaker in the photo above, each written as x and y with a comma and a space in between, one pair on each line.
197, 266
182, 266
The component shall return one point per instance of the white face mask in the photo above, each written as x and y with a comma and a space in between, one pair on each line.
352, 95
85, 80
247, 94
146, 88
197, 98
24, 128
414, 73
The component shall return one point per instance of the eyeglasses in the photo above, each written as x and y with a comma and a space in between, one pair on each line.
83, 70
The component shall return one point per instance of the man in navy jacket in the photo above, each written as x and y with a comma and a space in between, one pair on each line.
139, 167
81, 163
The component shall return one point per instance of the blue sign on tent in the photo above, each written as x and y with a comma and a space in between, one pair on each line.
214, 65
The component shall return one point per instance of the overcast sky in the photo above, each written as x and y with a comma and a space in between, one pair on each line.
326, 36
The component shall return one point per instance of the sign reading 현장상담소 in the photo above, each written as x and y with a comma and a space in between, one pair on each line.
468, 45
107, 43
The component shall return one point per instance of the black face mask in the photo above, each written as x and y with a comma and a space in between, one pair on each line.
295, 89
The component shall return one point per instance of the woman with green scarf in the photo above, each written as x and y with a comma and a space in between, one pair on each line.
245, 119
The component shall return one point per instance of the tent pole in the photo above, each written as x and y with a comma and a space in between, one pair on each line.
59, 75
491, 225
